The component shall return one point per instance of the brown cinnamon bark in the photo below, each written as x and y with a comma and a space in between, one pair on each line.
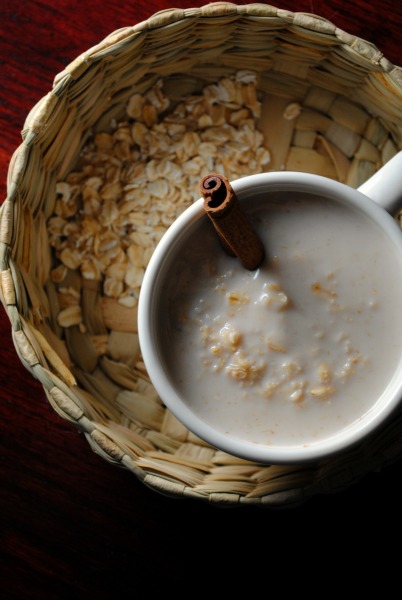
232, 225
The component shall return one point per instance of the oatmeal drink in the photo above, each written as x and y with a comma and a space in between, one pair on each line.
289, 354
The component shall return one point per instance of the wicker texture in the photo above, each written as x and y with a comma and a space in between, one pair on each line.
349, 126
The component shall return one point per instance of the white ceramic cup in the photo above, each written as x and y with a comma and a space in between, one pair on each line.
374, 201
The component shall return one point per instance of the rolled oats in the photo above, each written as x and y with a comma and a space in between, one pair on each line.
133, 181
292, 111
69, 316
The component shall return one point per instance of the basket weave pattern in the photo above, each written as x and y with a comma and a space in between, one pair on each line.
350, 100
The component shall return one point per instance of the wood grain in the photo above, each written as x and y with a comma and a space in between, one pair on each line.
72, 525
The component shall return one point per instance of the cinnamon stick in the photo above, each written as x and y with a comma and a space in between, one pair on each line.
236, 233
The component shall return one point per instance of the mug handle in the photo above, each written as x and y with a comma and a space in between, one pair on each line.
385, 186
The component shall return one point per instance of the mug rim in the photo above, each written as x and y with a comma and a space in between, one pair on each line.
291, 454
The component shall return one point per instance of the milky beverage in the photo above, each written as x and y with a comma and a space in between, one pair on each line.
303, 346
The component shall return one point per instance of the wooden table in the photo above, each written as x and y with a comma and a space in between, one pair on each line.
72, 525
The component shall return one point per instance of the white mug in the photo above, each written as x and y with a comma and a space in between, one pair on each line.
301, 359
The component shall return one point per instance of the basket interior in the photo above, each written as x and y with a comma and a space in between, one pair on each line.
325, 102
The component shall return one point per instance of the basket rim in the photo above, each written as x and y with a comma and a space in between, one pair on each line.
38, 119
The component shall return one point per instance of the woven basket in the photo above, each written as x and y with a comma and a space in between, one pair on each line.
345, 103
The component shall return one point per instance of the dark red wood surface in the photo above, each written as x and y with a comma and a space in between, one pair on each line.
72, 525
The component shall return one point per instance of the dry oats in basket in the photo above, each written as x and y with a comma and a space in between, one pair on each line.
133, 181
